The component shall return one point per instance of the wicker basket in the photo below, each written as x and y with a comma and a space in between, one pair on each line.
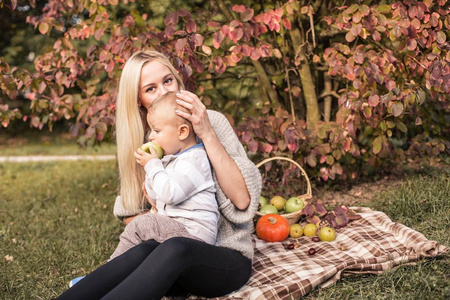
295, 216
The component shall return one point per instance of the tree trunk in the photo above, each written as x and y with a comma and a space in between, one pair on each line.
309, 91
327, 99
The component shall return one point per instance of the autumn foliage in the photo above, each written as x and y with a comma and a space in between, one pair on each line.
336, 85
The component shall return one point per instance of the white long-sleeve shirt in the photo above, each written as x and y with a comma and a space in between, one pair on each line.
183, 188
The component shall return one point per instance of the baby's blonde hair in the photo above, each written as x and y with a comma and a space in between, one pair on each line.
170, 99
131, 126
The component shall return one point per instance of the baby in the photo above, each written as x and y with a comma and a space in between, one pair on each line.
180, 184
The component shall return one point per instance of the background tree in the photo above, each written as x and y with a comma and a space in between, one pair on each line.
341, 86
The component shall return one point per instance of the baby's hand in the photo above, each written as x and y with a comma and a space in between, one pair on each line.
143, 157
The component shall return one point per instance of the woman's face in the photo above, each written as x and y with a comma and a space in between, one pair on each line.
156, 80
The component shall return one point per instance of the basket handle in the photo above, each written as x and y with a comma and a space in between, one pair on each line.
302, 171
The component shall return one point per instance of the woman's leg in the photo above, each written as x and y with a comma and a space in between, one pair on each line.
183, 263
105, 278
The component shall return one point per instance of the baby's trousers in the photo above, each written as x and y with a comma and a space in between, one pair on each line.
176, 267
147, 227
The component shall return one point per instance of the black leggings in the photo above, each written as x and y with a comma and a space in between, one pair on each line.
176, 267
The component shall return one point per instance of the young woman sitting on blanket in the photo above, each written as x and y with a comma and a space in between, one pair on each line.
180, 265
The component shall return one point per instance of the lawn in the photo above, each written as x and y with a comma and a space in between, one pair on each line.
39, 143
56, 223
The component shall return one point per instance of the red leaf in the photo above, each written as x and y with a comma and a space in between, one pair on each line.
246, 50
287, 23
213, 24
313, 219
206, 49
320, 209
180, 44
412, 44
267, 147
218, 39
247, 15
253, 146
308, 210
256, 54
169, 31
191, 26
171, 19
225, 30
238, 8
198, 40
376, 36
236, 34
374, 100
390, 85
349, 37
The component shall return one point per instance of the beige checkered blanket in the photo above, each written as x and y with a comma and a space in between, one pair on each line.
374, 245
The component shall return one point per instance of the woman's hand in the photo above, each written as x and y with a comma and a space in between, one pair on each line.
152, 203
198, 116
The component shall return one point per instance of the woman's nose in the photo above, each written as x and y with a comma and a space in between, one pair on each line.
163, 90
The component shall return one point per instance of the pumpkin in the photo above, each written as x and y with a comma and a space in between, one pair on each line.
272, 228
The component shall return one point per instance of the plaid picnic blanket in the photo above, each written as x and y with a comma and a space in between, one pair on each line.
373, 244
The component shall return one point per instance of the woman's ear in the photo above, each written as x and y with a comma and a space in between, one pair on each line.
183, 132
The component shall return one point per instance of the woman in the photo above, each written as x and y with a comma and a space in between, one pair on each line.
178, 266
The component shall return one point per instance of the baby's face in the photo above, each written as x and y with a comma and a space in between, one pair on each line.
164, 130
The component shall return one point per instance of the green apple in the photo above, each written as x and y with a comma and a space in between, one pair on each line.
158, 149
327, 234
293, 204
278, 202
295, 230
268, 209
262, 201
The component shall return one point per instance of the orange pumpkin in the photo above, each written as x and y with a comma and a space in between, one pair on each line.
272, 228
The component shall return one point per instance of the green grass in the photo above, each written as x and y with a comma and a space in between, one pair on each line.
56, 222
49, 144
422, 202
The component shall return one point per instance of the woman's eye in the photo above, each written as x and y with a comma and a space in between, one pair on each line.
168, 80
150, 89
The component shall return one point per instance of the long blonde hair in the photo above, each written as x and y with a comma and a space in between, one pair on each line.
131, 127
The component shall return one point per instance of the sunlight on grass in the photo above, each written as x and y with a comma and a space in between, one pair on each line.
56, 223
422, 202
41, 144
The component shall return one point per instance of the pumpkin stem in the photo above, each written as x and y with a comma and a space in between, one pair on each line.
272, 220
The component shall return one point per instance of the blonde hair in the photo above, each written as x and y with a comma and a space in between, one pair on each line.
131, 126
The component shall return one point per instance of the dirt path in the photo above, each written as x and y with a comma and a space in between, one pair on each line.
55, 158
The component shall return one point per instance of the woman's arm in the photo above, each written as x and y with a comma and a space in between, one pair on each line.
227, 172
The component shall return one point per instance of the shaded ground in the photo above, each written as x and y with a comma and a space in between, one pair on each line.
363, 192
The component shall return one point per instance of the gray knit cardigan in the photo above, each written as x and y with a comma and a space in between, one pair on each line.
235, 225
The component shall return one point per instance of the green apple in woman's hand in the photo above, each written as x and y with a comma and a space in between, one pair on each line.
146, 147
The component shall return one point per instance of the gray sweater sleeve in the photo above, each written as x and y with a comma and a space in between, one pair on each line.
120, 212
250, 172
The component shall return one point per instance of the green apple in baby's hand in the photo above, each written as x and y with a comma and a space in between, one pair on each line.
158, 149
